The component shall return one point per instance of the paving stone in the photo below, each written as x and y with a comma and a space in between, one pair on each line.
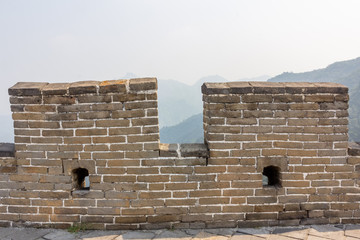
312, 237
136, 235
4, 232
326, 231
108, 237
255, 231
27, 233
279, 237
316, 232
60, 235
298, 233
351, 238
172, 235
243, 236
192, 231
352, 231
93, 234
227, 232
209, 236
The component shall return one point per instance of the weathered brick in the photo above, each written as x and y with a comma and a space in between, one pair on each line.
256, 98
180, 202
292, 215
307, 153
137, 211
345, 168
238, 208
222, 98
140, 105
12, 209
26, 100
24, 178
142, 154
35, 217
36, 170
74, 108
94, 98
237, 137
257, 114
33, 124
153, 178
23, 132
72, 210
113, 179
143, 84
333, 138
143, 138
83, 87
240, 121
61, 116
273, 106
90, 132
21, 124
65, 100
108, 155
128, 113
272, 121
130, 219
28, 116
94, 115
65, 218
57, 133
42, 202
292, 199
40, 108
244, 153
319, 98
334, 106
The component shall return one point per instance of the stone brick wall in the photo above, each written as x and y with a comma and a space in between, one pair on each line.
89, 152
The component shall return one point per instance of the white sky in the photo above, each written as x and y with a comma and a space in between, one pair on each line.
72, 40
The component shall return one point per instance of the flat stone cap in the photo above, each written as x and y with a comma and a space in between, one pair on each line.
184, 150
273, 88
83, 87
7, 150
354, 149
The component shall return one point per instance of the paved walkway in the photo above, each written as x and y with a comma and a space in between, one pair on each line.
315, 232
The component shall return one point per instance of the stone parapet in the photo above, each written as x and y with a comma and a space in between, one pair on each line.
89, 153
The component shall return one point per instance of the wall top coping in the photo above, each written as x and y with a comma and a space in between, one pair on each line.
354, 149
273, 88
83, 87
184, 150
7, 149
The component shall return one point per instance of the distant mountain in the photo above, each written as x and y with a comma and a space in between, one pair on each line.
344, 72
179, 101
129, 75
259, 78
188, 131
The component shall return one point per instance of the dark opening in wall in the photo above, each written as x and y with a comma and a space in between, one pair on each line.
271, 176
81, 179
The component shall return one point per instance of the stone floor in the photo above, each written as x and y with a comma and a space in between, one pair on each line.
315, 232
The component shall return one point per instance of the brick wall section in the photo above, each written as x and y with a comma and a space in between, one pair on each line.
111, 129
301, 128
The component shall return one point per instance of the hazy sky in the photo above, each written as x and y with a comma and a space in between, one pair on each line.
72, 40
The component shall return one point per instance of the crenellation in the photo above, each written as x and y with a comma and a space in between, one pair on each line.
89, 152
